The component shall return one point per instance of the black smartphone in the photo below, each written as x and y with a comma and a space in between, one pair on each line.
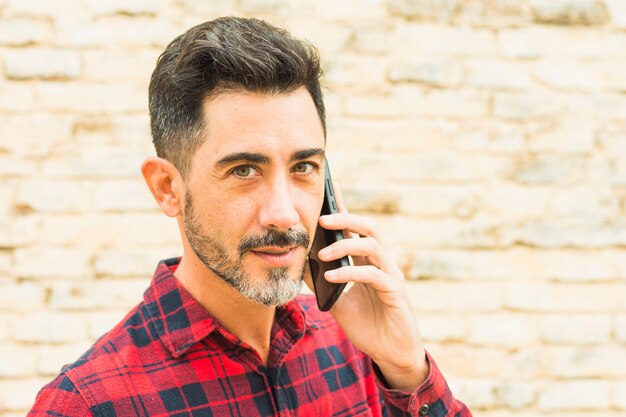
326, 292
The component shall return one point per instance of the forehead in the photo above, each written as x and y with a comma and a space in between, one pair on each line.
252, 122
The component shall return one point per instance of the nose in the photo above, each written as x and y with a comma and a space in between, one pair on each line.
278, 211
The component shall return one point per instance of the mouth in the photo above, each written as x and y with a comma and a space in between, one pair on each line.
276, 256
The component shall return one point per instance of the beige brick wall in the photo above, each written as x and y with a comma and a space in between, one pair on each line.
488, 137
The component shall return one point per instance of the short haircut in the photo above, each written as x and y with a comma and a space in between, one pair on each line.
228, 54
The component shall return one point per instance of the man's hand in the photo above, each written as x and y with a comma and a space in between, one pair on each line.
375, 313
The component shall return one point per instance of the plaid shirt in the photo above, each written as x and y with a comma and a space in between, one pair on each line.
169, 357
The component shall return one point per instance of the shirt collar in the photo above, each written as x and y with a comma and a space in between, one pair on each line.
181, 321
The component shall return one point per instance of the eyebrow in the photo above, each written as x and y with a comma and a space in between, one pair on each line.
257, 158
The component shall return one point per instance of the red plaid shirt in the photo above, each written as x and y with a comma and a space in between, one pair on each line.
169, 357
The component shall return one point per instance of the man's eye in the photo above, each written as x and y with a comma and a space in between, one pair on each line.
303, 168
245, 171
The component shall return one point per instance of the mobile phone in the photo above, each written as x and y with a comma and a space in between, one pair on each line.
326, 292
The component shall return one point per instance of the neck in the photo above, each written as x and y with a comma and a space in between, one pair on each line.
251, 322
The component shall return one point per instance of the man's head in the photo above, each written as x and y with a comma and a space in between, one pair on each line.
223, 55
239, 127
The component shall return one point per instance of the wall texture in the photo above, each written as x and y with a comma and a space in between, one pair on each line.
488, 137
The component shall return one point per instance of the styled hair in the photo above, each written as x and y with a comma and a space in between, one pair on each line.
224, 55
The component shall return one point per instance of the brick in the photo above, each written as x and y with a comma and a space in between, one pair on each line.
45, 8
14, 166
612, 75
6, 261
19, 394
451, 104
130, 8
98, 295
588, 43
525, 107
91, 98
118, 30
121, 66
619, 328
31, 130
10, 90
480, 393
570, 12
49, 327
585, 201
382, 105
434, 200
18, 361
350, 10
276, 7
518, 44
102, 322
618, 397
52, 262
550, 169
58, 355
436, 72
565, 75
428, 39
24, 32
497, 75
588, 362
43, 63
575, 329
123, 196
603, 106
331, 39
497, 13
580, 265
574, 395
435, 167
370, 38
514, 201
356, 70
138, 262
563, 298
515, 395
129, 131
454, 297
501, 330
25, 296
567, 136
5, 332
92, 231
6, 200
467, 362
438, 328
424, 9
492, 138
561, 233
109, 162
370, 199
395, 136
617, 12
18, 231
54, 196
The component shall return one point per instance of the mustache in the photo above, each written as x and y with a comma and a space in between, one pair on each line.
275, 238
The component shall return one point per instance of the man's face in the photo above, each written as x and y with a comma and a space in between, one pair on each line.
255, 191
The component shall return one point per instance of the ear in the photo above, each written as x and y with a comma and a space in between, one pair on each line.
165, 184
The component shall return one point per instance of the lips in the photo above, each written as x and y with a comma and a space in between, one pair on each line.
276, 256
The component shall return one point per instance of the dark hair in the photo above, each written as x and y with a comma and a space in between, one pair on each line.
223, 55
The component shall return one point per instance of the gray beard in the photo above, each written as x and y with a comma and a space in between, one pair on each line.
277, 290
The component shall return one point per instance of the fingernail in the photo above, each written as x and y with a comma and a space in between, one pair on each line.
332, 274
324, 253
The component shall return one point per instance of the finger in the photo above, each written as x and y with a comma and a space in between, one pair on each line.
366, 274
362, 226
365, 247
342, 207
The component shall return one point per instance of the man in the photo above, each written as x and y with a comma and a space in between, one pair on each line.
238, 123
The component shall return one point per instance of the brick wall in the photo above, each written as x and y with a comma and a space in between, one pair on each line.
488, 137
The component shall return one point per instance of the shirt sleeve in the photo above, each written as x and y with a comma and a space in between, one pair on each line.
60, 398
431, 399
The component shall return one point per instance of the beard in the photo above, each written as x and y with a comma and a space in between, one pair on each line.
277, 289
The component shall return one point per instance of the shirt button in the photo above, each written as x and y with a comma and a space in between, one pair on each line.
424, 409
